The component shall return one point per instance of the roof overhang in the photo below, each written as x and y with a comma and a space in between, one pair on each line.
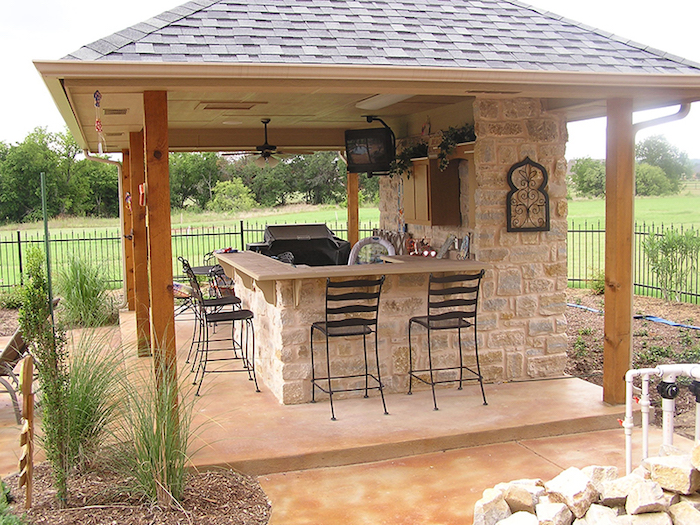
218, 106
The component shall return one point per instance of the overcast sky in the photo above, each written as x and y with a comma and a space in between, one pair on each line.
50, 29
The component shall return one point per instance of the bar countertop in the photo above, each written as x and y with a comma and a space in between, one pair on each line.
262, 268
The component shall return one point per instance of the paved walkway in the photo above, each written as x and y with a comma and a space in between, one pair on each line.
415, 465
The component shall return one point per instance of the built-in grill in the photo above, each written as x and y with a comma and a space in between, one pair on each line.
311, 244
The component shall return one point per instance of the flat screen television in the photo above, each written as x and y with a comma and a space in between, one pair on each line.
370, 150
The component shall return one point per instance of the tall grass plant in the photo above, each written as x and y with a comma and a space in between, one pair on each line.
155, 434
85, 297
95, 372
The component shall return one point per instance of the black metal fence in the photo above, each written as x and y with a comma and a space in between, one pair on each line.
104, 246
586, 258
586, 252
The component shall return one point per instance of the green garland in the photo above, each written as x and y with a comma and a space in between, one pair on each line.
402, 162
450, 138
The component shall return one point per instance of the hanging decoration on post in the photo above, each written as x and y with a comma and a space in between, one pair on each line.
98, 122
527, 205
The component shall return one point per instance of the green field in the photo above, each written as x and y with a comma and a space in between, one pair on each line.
675, 210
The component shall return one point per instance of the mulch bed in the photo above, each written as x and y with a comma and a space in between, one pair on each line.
650, 341
102, 498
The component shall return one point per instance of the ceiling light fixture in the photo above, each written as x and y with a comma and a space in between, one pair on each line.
381, 101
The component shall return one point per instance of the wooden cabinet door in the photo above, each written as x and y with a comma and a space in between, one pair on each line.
421, 185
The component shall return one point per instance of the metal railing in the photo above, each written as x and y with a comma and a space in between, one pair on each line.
586, 260
104, 245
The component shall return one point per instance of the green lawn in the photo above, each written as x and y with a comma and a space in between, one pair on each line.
675, 210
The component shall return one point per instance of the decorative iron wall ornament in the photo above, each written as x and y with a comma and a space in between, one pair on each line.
527, 206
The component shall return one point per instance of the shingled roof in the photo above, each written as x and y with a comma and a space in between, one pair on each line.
484, 34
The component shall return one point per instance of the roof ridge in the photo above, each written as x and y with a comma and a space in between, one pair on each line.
606, 34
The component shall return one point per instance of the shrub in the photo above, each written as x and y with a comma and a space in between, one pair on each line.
85, 297
48, 345
598, 282
5, 517
672, 257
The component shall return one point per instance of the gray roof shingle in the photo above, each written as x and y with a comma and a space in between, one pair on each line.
493, 34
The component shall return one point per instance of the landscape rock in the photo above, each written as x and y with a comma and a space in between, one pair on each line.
520, 518
573, 488
693, 499
615, 492
695, 456
655, 518
491, 508
645, 497
599, 474
522, 494
684, 514
598, 515
674, 473
553, 514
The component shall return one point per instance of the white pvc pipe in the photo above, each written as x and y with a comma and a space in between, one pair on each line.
669, 373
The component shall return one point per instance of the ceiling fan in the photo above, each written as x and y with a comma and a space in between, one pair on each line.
266, 150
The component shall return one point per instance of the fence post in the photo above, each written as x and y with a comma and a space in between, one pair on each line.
242, 237
19, 253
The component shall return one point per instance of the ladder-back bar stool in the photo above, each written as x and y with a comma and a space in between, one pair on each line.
452, 305
210, 315
352, 309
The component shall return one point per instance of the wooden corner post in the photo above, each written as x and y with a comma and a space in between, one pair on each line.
619, 247
127, 207
160, 253
353, 189
142, 300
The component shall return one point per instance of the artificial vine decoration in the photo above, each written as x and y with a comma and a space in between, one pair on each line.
402, 162
527, 205
450, 138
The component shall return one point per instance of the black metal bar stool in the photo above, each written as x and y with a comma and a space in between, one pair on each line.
215, 304
352, 308
452, 305
210, 315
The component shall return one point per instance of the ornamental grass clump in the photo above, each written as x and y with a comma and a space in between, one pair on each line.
154, 434
85, 298
95, 371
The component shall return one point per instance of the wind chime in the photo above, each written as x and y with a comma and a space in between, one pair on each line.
98, 123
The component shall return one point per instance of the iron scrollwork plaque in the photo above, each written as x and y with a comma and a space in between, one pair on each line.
527, 208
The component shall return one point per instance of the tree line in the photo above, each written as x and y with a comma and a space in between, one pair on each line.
660, 169
76, 186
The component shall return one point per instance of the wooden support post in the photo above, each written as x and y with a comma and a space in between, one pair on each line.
140, 245
155, 109
619, 246
353, 188
128, 233
26, 460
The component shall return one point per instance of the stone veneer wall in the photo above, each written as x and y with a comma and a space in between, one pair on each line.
522, 328
283, 359
523, 299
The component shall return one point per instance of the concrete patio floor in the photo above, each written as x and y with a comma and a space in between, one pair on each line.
414, 465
